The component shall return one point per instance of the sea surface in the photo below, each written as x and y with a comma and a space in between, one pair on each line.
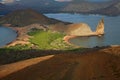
112, 29
7, 35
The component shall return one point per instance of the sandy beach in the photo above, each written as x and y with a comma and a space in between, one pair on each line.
67, 38
22, 36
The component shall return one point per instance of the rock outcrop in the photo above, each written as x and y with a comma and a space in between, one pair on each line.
100, 28
83, 29
79, 29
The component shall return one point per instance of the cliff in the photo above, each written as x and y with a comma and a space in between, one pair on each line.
100, 27
83, 29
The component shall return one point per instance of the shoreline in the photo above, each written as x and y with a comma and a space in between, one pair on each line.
21, 38
17, 35
67, 38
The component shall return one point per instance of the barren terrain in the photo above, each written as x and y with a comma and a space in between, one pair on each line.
93, 65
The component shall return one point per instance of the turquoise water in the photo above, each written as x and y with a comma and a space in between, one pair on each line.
112, 29
7, 35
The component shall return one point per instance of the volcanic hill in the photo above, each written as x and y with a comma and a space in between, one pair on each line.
21, 18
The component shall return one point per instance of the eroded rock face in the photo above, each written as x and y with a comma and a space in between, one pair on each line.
83, 29
100, 27
80, 29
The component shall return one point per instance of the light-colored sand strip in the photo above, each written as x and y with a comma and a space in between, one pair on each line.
67, 38
14, 67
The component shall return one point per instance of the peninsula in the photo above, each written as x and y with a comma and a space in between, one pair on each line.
23, 21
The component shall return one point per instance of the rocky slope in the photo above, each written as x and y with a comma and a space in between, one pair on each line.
93, 65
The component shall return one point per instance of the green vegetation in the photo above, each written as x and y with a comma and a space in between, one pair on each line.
42, 43
15, 48
42, 40
20, 47
11, 54
47, 40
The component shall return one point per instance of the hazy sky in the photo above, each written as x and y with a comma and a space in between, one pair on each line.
8, 1
28, 1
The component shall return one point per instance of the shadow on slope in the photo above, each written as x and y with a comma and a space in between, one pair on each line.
13, 55
94, 65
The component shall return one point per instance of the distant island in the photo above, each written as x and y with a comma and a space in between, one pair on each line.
109, 8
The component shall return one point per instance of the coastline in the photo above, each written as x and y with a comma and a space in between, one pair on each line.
21, 37
16, 32
67, 38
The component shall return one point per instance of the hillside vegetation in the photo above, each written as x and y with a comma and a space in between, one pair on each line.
48, 40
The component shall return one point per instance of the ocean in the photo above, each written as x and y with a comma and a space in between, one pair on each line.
112, 28
7, 35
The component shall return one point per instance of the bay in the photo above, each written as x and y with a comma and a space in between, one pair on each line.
112, 28
7, 35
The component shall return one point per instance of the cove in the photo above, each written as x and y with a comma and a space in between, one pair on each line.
7, 35
112, 29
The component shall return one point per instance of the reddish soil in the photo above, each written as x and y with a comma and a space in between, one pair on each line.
94, 65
